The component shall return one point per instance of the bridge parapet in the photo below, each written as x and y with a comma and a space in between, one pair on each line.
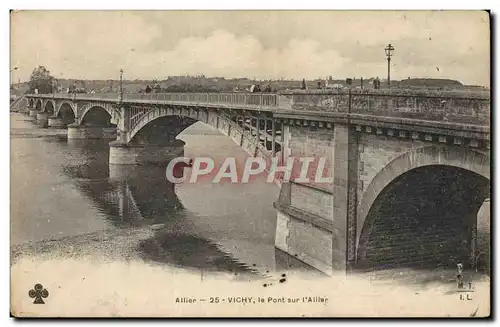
230, 100
237, 99
455, 106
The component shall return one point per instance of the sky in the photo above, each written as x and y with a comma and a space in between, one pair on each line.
253, 44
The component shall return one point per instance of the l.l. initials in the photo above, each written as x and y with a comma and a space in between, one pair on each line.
467, 297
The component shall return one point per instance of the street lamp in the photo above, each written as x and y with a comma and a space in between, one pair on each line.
11, 81
389, 49
121, 85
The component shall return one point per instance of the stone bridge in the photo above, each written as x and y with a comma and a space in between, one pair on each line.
407, 172
139, 122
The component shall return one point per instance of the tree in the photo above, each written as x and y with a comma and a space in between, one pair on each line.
41, 80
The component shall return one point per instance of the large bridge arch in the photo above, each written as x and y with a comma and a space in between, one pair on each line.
65, 105
417, 176
161, 130
66, 112
82, 109
96, 115
212, 118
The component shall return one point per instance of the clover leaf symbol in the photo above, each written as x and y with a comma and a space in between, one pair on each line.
38, 292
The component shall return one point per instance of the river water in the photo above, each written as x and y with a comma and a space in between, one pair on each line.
79, 224
64, 191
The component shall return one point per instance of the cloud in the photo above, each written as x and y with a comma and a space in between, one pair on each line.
77, 44
224, 54
261, 44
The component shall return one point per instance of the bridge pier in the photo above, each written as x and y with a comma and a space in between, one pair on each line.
316, 222
56, 122
121, 174
33, 113
121, 153
91, 132
300, 238
42, 119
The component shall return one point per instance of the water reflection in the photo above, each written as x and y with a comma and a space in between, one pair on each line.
66, 190
127, 195
131, 196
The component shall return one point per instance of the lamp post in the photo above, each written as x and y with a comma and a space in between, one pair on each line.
11, 81
389, 49
121, 85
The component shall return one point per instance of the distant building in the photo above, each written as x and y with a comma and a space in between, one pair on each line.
335, 86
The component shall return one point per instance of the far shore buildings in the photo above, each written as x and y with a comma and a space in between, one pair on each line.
202, 83
409, 83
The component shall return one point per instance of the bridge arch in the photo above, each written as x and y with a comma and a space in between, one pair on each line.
38, 105
66, 112
96, 115
65, 105
422, 207
49, 107
188, 116
161, 130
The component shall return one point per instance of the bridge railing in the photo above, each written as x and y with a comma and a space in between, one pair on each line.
462, 107
453, 106
230, 99
105, 96
237, 99
77, 96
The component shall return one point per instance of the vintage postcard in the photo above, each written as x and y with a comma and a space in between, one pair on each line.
250, 163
